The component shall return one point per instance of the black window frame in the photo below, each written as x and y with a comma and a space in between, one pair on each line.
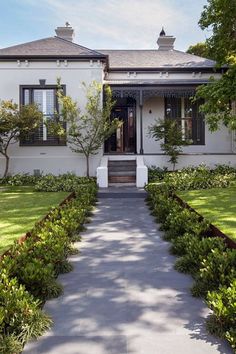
33, 141
198, 121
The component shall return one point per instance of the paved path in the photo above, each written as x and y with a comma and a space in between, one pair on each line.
124, 295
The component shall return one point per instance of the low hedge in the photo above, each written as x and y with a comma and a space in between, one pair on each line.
48, 183
29, 270
207, 259
191, 178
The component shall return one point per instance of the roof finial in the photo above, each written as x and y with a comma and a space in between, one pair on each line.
67, 24
162, 33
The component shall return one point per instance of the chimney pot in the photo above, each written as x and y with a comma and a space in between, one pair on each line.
66, 32
165, 42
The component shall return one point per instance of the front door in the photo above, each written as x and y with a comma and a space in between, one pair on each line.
124, 139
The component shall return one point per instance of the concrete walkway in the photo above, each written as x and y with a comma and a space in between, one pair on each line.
123, 295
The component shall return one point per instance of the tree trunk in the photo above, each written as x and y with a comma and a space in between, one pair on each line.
87, 165
6, 165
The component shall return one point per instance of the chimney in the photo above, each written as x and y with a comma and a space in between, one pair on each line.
66, 32
165, 42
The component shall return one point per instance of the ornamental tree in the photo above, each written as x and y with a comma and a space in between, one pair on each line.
201, 49
170, 133
15, 123
219, 17
88, 129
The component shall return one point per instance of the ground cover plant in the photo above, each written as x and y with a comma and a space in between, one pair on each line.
29, 270
207, 259
20, 208
217, 205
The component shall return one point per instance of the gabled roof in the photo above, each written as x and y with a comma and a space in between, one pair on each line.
153, 59
49, 47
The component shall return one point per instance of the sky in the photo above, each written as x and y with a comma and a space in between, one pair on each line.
103, 24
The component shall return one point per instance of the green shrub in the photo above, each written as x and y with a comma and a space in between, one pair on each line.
37, 277
181, 220
195, 251
200, 177
20, 180
223, 320
35, 264
66, 182
156, 173
217, 269
180, 244
21, 318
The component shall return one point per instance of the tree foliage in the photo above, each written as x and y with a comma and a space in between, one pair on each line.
88, 129
201, 49
171, 135
220, 95
15, 123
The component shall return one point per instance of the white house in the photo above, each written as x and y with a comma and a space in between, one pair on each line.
147, 84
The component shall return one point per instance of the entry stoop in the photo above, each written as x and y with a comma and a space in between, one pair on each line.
122, 171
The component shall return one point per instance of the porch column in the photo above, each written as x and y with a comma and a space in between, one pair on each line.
141, 121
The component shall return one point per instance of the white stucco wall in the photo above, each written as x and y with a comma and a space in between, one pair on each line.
54, 159
60, 159
217, 142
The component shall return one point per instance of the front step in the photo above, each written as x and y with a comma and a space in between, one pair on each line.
122, 171
121, 179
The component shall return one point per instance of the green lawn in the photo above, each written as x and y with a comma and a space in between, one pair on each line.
20, 208
218, 205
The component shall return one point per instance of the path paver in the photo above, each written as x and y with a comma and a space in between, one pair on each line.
123, 295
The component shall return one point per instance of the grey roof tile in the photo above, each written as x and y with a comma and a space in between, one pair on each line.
155, 59
49, 46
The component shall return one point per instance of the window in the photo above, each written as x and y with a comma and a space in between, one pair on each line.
188, 116
46, 99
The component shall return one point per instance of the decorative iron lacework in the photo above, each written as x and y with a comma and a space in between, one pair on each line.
125, 93
168, 93
148, 93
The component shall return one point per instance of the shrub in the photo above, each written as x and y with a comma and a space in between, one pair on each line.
195, 251
181, 220
156, 173
200, 177
20, 180
223, 320
21, 318
217, 269
66, 182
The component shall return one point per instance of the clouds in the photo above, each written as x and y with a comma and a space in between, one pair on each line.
123, 23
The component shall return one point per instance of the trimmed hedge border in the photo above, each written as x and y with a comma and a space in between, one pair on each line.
30, 268
208, 259
22, 238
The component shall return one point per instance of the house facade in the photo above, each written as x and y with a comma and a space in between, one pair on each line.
146, 84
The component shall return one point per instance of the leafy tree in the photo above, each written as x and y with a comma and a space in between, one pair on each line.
201, 49
219, 16
170, 133
16, 122
87, 130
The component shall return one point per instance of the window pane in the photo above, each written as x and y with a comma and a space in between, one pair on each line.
173, 107
26, 94
50, 102
38, 99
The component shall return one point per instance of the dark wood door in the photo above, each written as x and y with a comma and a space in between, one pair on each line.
124, 139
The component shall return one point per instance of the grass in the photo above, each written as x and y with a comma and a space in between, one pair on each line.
218, 205
20, 208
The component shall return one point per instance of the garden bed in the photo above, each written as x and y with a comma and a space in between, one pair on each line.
20, 208
218, 205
